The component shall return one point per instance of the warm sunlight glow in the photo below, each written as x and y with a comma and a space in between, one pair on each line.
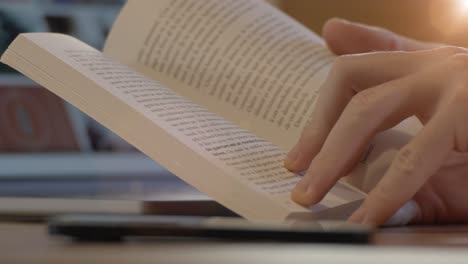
449, 17
463, 4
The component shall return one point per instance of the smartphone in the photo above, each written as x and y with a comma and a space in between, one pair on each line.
107, 227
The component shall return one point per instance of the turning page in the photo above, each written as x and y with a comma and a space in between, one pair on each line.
236, 168
242, 59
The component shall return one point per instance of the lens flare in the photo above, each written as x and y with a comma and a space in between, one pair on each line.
463, 5
449, 18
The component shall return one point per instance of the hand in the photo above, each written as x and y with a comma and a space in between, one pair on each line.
368, 93
344, 37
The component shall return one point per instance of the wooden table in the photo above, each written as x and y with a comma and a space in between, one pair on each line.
29, 243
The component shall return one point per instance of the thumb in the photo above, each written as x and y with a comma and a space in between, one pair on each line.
344, 37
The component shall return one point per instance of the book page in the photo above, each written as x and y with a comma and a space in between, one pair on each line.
242, 59
232, 165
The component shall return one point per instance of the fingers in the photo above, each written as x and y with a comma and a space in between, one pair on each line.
340, 86
344, 37
368, 112
350, 75
410, 170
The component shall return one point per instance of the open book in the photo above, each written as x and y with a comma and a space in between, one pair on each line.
216, 91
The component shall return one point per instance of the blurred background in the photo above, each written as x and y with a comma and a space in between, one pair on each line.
48, 148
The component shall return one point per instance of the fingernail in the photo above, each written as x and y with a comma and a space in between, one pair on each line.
291, 158
369, 221
409, 212
345, 21
342, 20
302, 186
358, 216
303, 195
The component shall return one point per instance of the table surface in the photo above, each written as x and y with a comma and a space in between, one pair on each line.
30, 243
